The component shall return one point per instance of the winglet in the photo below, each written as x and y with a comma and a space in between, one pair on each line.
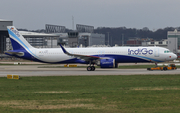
64, 50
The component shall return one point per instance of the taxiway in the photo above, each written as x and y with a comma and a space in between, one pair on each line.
36, 70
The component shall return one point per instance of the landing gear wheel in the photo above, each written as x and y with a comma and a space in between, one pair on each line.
93, 68
165, 68
89, 68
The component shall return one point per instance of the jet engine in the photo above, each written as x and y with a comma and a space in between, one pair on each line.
106, 63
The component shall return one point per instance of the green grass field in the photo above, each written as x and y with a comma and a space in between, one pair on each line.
91, 94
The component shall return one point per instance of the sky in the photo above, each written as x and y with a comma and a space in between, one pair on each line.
34, 14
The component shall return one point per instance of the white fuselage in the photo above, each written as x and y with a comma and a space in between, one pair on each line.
120, 54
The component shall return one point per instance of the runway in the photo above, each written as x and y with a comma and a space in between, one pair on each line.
35, 70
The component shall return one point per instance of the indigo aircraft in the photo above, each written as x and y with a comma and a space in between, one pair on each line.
105, 57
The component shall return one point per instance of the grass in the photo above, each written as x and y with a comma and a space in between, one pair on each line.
99, 94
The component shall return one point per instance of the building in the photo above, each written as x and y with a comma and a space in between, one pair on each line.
146, 42
162, 43
85, 39
42, 40
174, 41
83, 35
54, 36
133, 42
4, 33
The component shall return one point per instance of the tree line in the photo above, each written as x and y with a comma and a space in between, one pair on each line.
115, 35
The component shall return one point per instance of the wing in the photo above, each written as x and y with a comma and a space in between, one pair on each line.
84, 57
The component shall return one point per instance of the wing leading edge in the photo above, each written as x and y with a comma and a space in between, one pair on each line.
84, 57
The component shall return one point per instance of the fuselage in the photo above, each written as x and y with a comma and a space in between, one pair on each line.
120, 54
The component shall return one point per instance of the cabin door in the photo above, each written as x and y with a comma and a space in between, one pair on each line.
156, 52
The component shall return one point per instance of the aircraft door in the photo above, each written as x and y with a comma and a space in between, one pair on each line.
101, 53
156, 52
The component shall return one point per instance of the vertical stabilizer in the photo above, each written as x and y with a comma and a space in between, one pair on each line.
17, 40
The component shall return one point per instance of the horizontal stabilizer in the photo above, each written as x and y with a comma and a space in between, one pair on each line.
14, 53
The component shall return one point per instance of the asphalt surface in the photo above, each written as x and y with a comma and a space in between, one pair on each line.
35, 70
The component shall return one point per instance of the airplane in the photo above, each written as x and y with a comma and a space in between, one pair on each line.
105, 57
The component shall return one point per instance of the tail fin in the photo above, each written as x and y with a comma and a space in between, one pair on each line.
17, 40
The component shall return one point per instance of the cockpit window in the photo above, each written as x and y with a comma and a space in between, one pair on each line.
167, 51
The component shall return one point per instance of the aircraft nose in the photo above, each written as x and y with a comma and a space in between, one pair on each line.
174, 56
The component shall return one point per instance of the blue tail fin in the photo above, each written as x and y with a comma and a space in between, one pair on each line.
21, 48
17, 40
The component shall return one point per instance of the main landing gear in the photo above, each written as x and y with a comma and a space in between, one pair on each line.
91, 68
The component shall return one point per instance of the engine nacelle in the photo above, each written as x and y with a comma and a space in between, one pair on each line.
107, 63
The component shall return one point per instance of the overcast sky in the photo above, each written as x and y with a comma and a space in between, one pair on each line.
34, 14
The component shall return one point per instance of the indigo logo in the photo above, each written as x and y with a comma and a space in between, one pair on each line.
143, 51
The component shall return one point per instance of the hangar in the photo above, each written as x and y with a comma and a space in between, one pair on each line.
4, 33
